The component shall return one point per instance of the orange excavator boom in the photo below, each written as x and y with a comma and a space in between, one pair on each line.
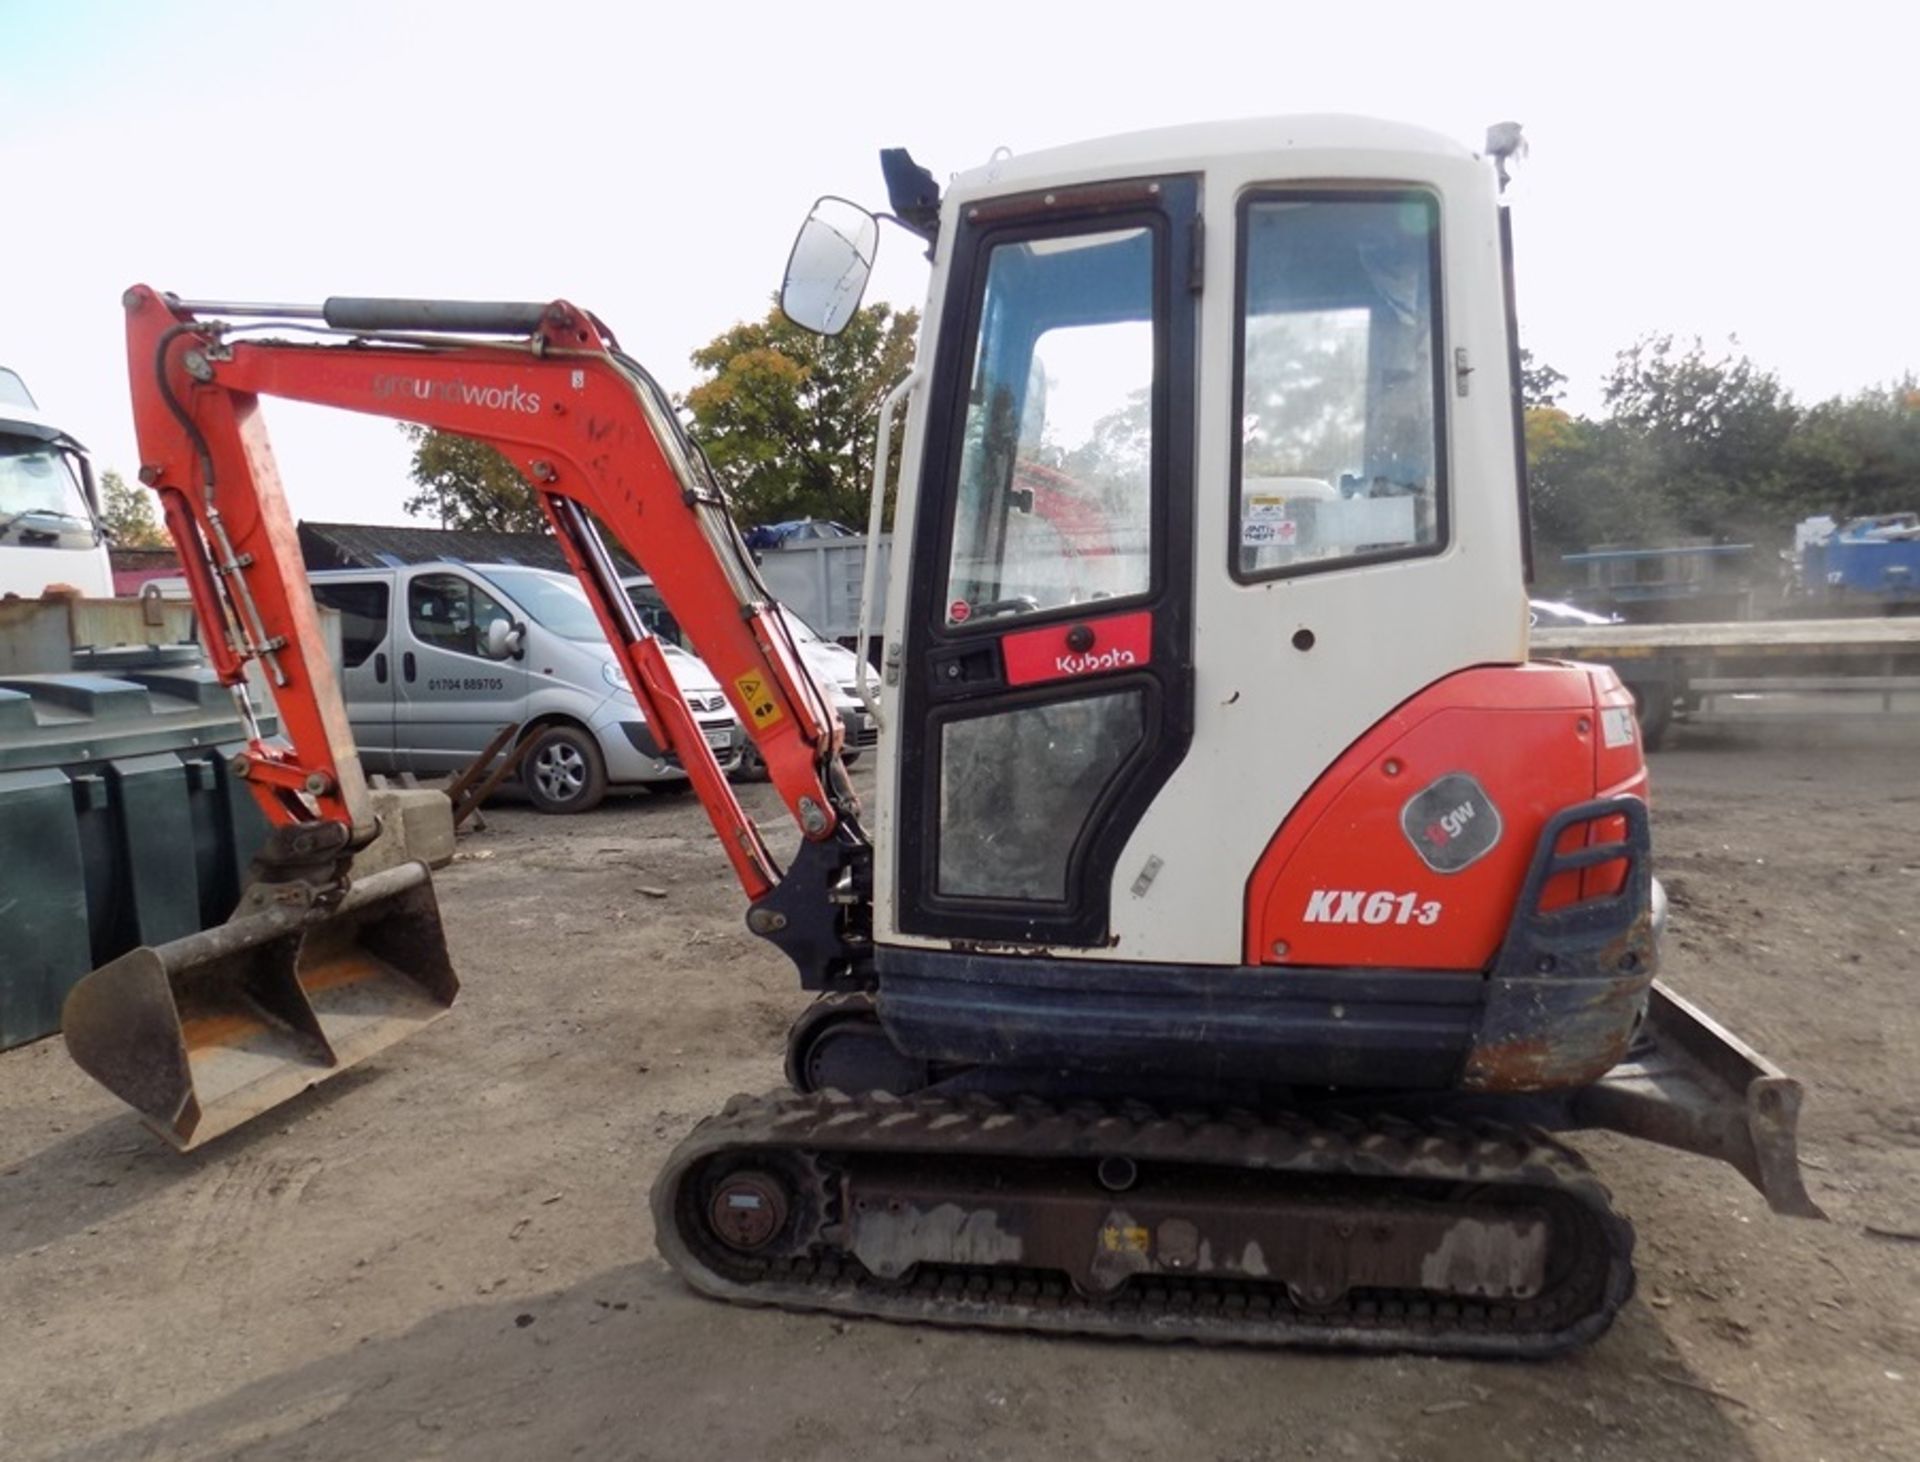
599, 444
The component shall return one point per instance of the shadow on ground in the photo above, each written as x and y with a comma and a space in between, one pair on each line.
81, 1179
631, 1365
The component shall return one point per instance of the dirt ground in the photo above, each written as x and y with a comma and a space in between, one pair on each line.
447, 1252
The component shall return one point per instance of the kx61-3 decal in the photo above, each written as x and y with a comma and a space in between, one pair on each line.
1369, 906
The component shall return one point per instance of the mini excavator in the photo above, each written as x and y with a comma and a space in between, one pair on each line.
1240, 914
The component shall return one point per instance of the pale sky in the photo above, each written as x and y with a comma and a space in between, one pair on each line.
1701, 169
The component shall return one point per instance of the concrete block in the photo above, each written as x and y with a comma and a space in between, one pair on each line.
416, 825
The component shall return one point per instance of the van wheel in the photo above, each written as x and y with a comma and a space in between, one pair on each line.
564, 771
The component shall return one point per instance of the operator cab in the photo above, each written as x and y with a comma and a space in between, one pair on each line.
1207, 424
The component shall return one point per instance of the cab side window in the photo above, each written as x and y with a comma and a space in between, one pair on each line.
447, 612
1340, 456
363, 618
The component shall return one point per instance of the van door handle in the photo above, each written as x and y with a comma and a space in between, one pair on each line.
380, 666
406, 666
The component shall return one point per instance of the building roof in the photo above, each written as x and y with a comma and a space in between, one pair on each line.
388, 545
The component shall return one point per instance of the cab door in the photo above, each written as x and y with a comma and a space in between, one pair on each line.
452, 697
1047, 688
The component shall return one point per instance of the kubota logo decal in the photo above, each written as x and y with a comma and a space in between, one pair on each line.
461, 393
1071, 664
1364, 906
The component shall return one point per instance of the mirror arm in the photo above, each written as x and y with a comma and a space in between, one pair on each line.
929, 234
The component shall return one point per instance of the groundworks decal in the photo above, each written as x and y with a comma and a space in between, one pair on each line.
1452, 823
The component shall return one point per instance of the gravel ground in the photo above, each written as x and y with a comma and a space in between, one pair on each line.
447, 1253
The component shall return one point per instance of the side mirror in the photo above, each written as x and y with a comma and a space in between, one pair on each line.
828, 268
503, 639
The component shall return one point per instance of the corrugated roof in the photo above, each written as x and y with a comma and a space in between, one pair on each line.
388, 545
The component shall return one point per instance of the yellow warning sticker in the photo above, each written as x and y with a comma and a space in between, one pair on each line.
1123, 1239
758, 695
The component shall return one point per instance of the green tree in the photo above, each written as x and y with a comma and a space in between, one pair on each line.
463, 483
1540, 384
787, 418
1702, 444
1858, 454
127, 513
1707, 436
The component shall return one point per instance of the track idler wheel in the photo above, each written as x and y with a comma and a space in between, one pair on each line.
748, 1210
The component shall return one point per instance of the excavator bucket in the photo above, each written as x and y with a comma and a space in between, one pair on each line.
203, 1033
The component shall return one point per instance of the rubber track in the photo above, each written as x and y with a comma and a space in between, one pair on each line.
805, 1133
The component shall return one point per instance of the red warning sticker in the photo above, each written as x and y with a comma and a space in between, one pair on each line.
959, 612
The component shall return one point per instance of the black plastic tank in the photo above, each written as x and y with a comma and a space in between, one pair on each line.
120, 823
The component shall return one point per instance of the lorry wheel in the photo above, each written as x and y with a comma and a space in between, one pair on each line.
1653, 704
564, 771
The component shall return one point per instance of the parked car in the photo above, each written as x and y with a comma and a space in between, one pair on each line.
437, 657
834, 668
1556, 614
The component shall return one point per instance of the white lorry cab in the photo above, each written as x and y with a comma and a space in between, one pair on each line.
437, 657
50, 529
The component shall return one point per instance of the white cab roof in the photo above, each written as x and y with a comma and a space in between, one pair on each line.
1196, 146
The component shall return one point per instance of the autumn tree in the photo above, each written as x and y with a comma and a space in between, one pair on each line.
127, 513
787, 417
463, 483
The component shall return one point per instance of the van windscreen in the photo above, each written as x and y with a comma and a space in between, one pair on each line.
554, 601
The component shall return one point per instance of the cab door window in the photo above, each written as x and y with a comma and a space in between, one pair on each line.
1054, 496
448, 612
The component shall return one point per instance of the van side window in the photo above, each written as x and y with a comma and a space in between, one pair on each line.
363, 617
446, 612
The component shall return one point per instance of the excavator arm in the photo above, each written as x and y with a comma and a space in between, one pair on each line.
595, 439
320, 967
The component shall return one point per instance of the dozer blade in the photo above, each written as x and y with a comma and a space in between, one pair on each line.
203, 1033
1690, 1083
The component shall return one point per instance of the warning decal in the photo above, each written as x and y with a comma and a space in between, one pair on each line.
762, 708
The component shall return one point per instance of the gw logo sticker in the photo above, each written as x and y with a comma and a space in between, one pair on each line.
1452, 824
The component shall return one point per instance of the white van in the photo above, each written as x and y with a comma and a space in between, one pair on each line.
833, 666
437, 657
